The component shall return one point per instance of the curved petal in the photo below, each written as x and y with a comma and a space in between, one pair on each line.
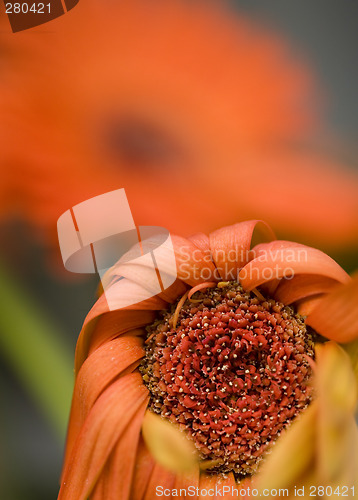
107, 327
201, 241
159, 477
96, 373
189, 258
194, 266
230, 246
303, 286
281, 259
117, 475
105, 424
144, 466
336, 316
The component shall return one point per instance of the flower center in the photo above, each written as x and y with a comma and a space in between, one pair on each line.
232, 370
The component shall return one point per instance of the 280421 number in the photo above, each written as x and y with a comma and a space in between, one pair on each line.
24, 8
328, 491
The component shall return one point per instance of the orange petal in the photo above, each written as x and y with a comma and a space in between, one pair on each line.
106, 328
207, 483
281, 259
336, 316
304, 307
227, 486
217, 486
161, 478
143, 470
190, 260
201, 241
99, 369
117, 475
105, 424
101, 324
193, 265
230, 245
303, 286
184, 481
243, 487
268, 289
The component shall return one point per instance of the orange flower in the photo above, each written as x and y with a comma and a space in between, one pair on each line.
228, 359
145, 96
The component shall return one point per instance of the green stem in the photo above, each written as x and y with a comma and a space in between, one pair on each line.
34, 347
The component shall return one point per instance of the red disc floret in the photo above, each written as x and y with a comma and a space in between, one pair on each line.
233, 373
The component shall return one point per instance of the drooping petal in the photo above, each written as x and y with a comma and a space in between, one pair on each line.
281, 259
116, 478
99, 369
106, 328
303, 286
101, 324
336, 316
105, 424
144, 466
230, 246
161, 480
188, 480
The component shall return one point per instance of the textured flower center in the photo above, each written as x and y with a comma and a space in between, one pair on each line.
232, 370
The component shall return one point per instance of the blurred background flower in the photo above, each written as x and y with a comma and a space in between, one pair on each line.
205, 114
161, 98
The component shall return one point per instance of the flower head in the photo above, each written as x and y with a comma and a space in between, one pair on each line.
229, 361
